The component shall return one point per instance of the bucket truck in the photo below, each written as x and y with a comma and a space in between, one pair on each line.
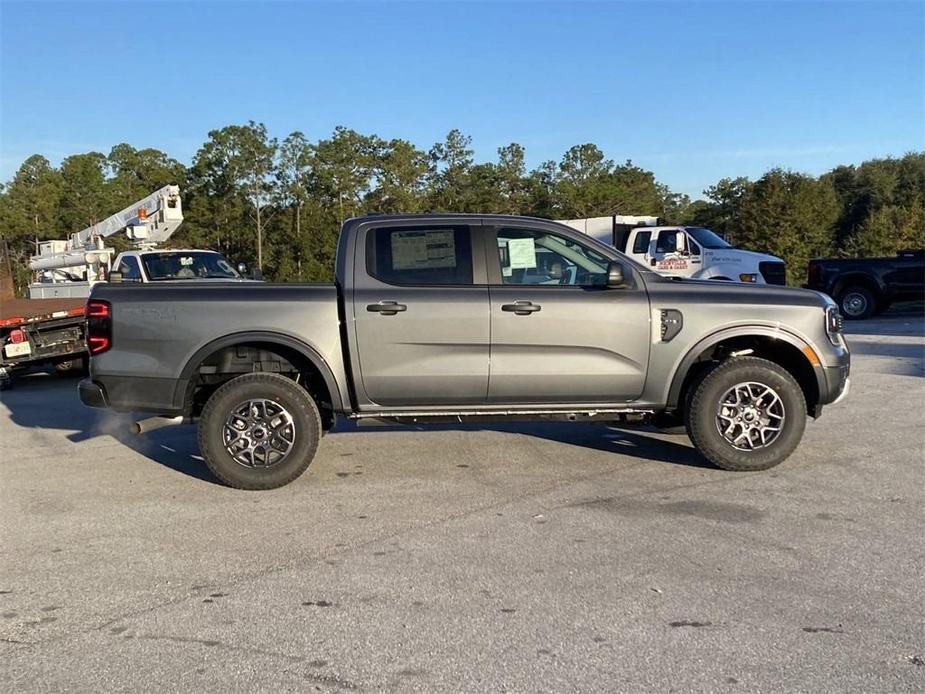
48, 327
67, 269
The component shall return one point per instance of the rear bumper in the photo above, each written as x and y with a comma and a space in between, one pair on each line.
92, 394
131, 394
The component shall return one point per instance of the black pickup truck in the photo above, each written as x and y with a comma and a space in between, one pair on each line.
864, 287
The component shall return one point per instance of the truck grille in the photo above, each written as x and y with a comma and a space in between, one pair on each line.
773, 272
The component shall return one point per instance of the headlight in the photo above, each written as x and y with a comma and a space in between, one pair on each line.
746, 277
833, 324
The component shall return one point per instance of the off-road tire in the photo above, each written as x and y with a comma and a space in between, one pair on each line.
701, 414
272, 387
857, 303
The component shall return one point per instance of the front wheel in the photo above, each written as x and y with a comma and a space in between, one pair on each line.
259, 431
746, 414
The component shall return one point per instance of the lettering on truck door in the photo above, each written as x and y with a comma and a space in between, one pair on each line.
669, 253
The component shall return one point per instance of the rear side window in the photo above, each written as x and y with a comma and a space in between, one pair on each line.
420, 255
641, 244
130, 270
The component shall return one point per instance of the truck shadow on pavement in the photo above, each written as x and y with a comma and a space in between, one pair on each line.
640, 442
42, 401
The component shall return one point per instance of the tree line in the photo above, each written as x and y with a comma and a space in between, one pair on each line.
278, 205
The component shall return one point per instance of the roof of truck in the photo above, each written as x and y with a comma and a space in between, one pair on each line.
460, 215
169, 250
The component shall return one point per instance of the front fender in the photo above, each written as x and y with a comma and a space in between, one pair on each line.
777, 333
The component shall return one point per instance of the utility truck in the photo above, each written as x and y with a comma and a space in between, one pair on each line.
48, 327
442, 317
68, 269
682, 251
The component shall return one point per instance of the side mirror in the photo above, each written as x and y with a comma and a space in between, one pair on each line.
242, 269
115, 276
615, 277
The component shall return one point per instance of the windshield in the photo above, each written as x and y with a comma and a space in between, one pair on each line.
707, 238
187, 265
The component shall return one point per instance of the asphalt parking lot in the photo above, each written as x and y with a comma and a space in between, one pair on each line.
521, 558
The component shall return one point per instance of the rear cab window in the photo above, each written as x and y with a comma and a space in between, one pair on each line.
420, 255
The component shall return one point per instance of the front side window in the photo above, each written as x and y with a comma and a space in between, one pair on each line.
420, 255
667, 241
531, 256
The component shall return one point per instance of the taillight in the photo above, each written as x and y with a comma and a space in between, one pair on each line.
99, 326
17, 336
812, 273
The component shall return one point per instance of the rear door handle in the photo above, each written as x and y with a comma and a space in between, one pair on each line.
386, 308
521, 308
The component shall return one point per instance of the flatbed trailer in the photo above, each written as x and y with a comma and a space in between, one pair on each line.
41, 332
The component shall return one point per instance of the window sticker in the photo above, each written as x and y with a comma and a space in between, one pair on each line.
414, 250
186, 260
522, 253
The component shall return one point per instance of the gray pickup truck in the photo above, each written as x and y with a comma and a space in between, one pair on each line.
445, 317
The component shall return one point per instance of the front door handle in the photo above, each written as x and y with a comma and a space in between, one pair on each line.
386, 308
521, 308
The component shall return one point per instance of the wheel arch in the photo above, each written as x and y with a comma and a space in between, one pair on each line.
278, 343
789, 351
862, 279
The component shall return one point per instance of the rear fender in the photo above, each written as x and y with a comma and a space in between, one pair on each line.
270, 338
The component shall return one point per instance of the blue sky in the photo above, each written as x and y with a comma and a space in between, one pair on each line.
693, 91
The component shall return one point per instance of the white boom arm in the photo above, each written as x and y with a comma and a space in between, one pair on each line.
147, 222
160, 214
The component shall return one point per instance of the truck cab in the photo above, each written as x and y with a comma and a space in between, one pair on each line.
698, 253
172, 265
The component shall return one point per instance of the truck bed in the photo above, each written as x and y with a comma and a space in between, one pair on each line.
163, 330
16, 311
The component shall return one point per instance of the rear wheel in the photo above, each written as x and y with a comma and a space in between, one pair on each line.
73, 367
746, 414
857, 303
259, 431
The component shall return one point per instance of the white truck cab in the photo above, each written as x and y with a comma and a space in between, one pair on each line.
172, 264
698, 253
683, 251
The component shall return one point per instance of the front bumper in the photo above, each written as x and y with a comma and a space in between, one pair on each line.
836, 382
92, 394
844, 392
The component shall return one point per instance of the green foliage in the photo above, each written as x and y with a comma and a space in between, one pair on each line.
788, 215
280, 205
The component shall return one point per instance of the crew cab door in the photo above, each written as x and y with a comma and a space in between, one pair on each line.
669, 253
558, 335
420, 309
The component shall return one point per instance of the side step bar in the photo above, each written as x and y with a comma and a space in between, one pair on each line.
460, 416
